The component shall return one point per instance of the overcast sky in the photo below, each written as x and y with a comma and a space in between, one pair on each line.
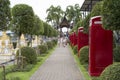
40, 6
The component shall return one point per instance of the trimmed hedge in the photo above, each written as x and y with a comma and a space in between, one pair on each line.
84, 55
29, 54
43, 49
55, 41
75, 50
112, 72
50, 45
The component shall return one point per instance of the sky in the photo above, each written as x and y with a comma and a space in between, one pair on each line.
40, 6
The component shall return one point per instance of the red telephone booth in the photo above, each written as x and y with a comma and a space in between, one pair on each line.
74, 39
82, 39
71, 38
100, 47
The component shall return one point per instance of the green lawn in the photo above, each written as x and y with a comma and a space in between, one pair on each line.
27, 75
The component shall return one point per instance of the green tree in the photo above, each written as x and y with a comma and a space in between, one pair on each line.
96, 11
23, 22
38, 26
85, 23
54, 15
46, 29
37, 29
111, 14
23, 19
5, 14
50, 31
77, 13
55, 33
70, 14
41, 27
73, 13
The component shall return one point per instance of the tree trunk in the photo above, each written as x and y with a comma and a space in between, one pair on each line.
37, 45
19, 58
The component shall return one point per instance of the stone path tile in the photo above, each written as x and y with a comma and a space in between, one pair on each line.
59, 66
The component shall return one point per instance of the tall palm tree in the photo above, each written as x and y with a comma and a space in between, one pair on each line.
73, 13
70, 14
54, 15
77, 13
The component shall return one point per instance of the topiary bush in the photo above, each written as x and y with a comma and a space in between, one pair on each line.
43, 49
50, 44
84, 55
116, 54
55, 41
112, 72
75, 50
29, 54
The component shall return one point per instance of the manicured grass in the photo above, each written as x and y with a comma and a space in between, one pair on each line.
81, 67
27, 75
83, 70
1, 71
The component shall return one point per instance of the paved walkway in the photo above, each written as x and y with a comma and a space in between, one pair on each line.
59, 66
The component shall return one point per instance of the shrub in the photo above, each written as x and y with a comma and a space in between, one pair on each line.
75, 50
27, 67
84, 55
116, 53
55, 41
39, 59
43, 49
29, 54
112, 72
50, 45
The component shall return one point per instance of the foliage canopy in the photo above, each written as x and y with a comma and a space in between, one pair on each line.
5, 14
23, 19
111, 14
